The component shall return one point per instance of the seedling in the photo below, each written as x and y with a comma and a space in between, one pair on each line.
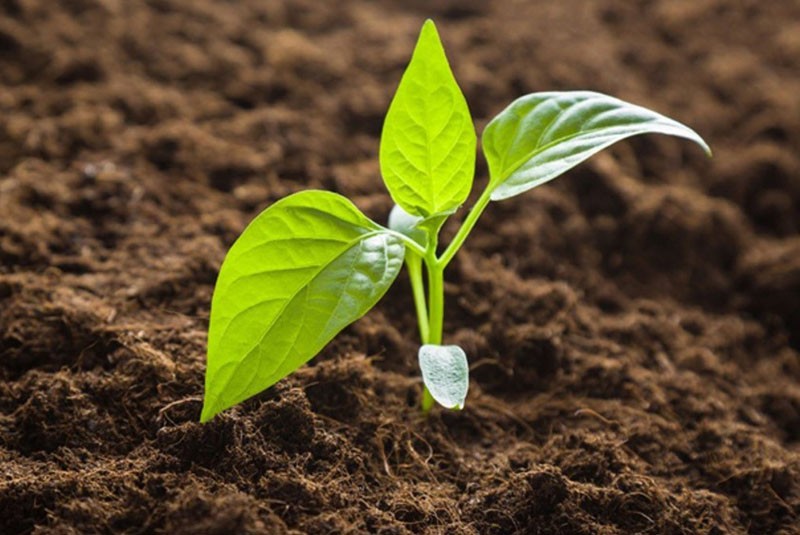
312, 263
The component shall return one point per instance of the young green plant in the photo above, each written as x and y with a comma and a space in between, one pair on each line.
312, 263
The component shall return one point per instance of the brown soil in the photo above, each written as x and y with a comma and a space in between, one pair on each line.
633, 327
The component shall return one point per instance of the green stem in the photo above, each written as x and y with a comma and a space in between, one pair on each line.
435, 310
414, 263
427, 400
435, 301
434, 319
466, 227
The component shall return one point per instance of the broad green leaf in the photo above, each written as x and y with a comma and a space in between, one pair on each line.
427, 152
542, 135
305, 268
446, 374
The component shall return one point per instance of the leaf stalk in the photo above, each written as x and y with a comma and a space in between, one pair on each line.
414, 264
466, 227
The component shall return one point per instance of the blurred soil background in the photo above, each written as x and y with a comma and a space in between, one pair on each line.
633, 327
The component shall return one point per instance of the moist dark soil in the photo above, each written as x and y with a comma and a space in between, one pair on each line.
633, 327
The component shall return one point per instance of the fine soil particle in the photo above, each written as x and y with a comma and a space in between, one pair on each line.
633, 327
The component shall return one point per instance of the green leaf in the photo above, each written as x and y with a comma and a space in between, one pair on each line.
446, 374
542, 135
305, 268
427, 152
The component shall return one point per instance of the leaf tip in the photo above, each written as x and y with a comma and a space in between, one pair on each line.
429, 33
698, 139
707, 148
428, 25
208, 412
